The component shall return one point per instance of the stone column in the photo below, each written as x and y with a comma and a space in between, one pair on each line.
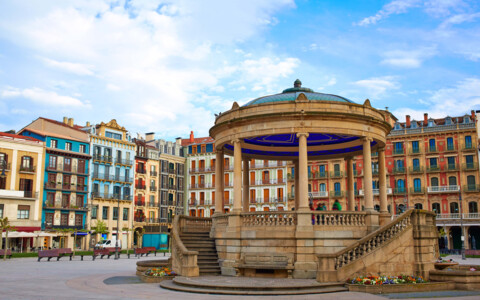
296, 185
382, 185
246, 185
237, 176
367, 174
303, 172
219, 181
350, 185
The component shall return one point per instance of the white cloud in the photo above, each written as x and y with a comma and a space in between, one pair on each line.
378, 86
459, 19
75, 68
393, 8
407, 59
453, 101
43, 97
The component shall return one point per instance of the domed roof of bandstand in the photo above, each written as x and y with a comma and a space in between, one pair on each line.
268, 126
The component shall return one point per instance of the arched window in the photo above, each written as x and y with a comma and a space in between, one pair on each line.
453, 207
434, 181
417, 185
436, 208
452, 180
418, 206
377, 207
472, 207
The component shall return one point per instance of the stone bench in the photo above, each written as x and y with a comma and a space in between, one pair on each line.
266, 265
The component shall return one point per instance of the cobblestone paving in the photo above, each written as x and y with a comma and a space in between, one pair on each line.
26, 278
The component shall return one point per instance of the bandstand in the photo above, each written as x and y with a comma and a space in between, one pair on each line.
300, 125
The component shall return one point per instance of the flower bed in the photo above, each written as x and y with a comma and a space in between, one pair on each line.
395, 284
158, 274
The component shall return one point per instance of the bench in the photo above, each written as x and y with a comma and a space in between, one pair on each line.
49, 253
140, 252
65, 252
2, 253
151, 250
267, 262
102, 252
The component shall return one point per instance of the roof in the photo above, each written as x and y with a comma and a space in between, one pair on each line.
55, 135
200, 140
291, 94
437, 121
16, 136
76, 127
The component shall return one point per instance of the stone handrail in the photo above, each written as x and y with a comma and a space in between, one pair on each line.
339, 218
195, 224
335, 261
220, 221
269, 218
184, 261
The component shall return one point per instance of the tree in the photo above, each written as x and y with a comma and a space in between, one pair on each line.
100, 228
63, 232
75, 231
5, 225
139, 232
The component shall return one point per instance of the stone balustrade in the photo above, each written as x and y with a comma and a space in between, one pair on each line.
339, 218
269, 218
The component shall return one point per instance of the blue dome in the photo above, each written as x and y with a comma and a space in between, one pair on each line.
292, 93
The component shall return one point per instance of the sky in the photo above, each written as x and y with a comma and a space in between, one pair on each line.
168, 66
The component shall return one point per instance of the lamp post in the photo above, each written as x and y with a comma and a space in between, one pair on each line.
117, 256
462, 236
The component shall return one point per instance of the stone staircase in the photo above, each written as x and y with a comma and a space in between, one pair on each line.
207, 258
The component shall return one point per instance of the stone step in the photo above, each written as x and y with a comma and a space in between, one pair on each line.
249, 290
196, 243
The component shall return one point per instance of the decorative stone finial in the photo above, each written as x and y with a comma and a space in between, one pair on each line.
297, 83
367, 103
235, 105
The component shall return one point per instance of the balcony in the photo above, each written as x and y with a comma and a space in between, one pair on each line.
317, 175
471, 188
102, 176
123, 179
470, 167
452, 167
450, 148
97, 195
140, 186
443, 189
337, 194
172, 187
72, 187
153, 188
139, 219
414, 151
376, 192
467, 216
14, 194
153, 173
416, 170
398, 170
67, 169
125, 162
54, 227
290, 177
336, 174
319, 194
7, 165
398, 152
399, 191
102, 158
374, 172
468, 147
417, 190
139, 203
65, 206
433, 169
152, 220
171, 171
432, 149
27, 169
141, 171
357, 173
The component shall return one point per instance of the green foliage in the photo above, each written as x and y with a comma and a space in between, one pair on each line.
101, 228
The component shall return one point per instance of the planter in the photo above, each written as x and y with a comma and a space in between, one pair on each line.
154, 279
401, 288
441, 266
463, 278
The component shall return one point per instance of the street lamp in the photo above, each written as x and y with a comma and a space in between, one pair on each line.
462, 236
117, 256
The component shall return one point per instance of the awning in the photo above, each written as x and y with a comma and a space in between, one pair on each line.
45, 234
19, 234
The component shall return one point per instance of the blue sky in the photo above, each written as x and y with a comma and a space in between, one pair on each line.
168, 66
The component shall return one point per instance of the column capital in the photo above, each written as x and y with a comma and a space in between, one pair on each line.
367, 138
219, 149
299, 134
381, 149
347, 158
235, 141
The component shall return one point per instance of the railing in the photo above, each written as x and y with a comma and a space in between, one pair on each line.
471, 188
399, 191
220, 222
153, 173
140, 203
317, 175
126, 162
417, 190
468, 147
414, 170
153, 188
18, 194
152, 220
99, 195
270, 218
443, 189
432, 149
102, 176
123, 179
66, 187
470, 166
269, 200
398, 170
140, 186
414, 151
398, 152
141, 171
336, 174
267, 181
319, 194
457, 216
337, 194
7, 165
103, 158
432, 169
450, 148
339, 218
452, 167
200, 185
374, 191
67, 168
30, 169
171, 171
357, 173
366, 245
65, 206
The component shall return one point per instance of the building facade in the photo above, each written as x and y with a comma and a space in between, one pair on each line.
65, 181
21, 185
111, 184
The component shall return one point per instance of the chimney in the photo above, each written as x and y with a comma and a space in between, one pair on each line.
88, 124
192, 138
65, 120
178, 140
70, 122
149, 136
473, 114
408, 121
425, 119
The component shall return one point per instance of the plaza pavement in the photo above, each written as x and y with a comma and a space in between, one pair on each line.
25, 278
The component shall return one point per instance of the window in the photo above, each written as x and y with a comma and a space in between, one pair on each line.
113, 135
397, 126
68, 146
105, 213
434, 181
78, 220
401, 186
416, 164
418, 206
1, 211
466, 120
49, 219
53, 144
322, 187
452, 180
65, 200
27, 163
468, 142
471, 182
23, 212
448, 121
415, 148
432, 145
431, 123
453, 207
125, 214
436, 208
67, 164
451, 162
83, 149
433, 162
64, 219
472, 207
79, 200
81, 166
52, 162
50, 199
115, 213
450, 145
414, 125
469, 161
94, 212
336, 187
398, 148
417, 185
